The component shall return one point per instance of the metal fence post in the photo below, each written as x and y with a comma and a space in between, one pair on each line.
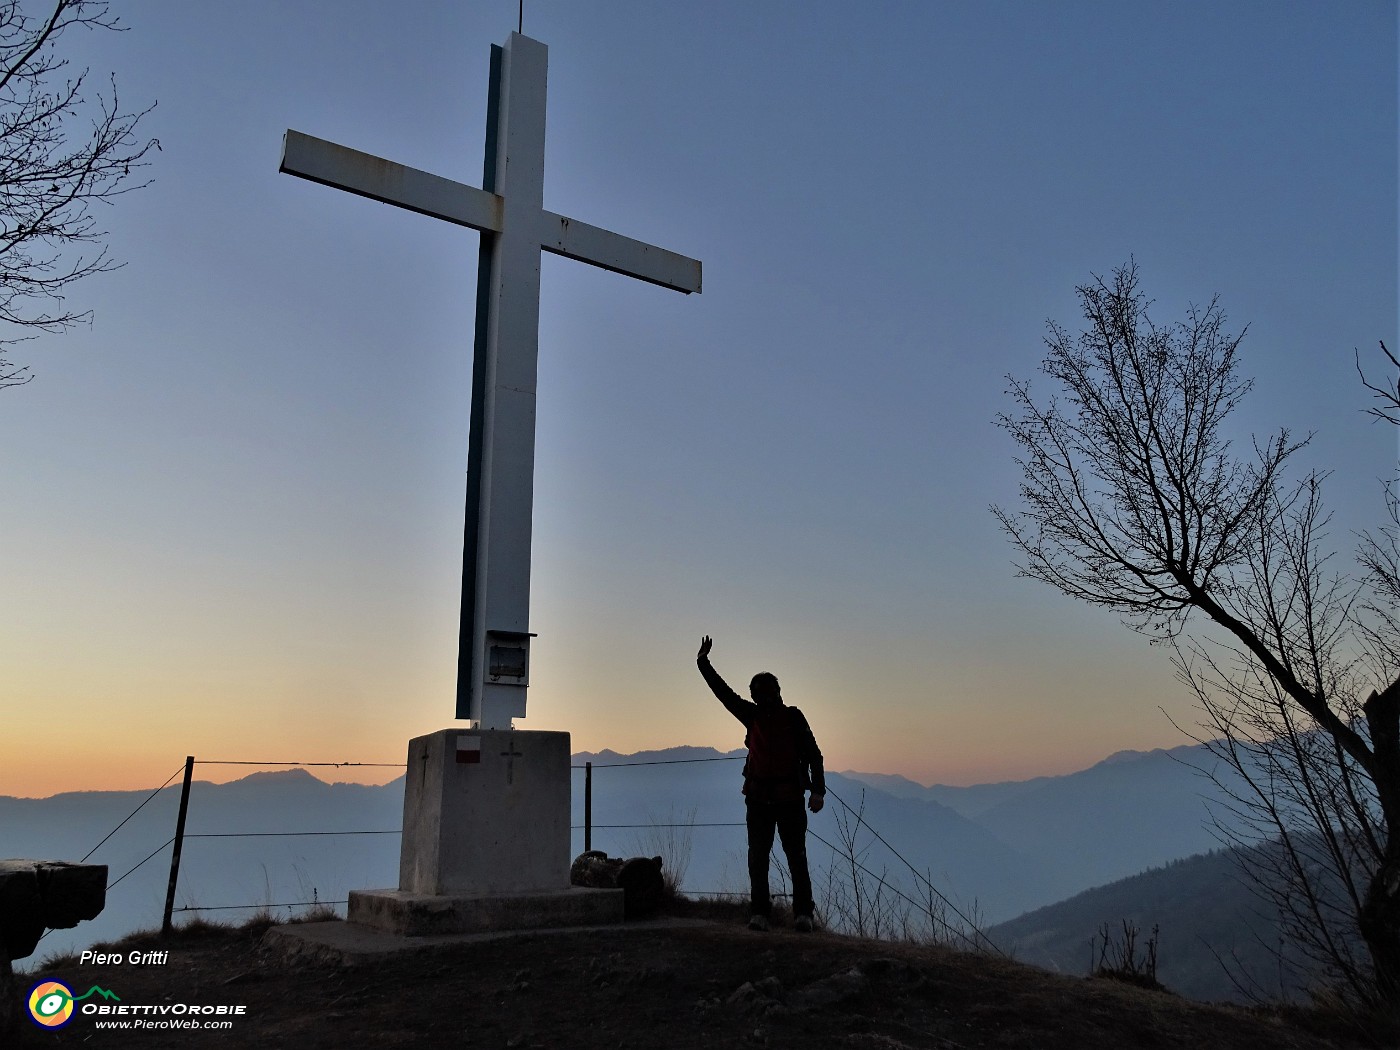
587, 806
165, 925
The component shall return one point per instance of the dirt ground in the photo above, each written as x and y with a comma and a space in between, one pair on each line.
712, 985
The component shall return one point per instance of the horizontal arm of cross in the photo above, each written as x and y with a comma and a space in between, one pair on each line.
612, 251
348, 169
383, 180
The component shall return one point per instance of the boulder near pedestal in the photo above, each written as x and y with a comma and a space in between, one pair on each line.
39, 895
485, 840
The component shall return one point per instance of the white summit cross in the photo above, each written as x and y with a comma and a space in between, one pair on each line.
493, 647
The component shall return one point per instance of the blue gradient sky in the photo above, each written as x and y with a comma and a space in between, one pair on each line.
232, 507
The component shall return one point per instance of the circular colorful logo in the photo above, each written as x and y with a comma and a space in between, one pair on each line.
51, 1004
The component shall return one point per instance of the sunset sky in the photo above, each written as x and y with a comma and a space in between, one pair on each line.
232, 507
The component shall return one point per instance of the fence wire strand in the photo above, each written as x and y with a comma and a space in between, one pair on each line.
596, 827
278, 834
242, 907
860, 819
148, 857
337, 765
139, 863
900, 893
133, 813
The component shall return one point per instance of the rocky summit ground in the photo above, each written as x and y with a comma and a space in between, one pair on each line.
710, 985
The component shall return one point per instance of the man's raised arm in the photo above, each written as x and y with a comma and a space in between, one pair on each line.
736, 705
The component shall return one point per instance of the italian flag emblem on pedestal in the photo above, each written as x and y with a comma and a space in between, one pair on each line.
469, 748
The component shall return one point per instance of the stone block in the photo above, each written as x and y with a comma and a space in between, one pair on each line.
21, 909
486, 812
423, 915
36, 895
485, 841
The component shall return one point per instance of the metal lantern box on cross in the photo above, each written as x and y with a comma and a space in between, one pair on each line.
486, 808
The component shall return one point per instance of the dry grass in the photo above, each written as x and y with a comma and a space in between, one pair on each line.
693, 988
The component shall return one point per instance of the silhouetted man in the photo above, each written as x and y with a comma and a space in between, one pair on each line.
783, 764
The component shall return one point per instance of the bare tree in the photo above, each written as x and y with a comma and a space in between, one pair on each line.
1135, 499
64, 147
1379, 554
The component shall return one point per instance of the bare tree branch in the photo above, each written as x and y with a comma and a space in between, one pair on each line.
64, 147
1389, 397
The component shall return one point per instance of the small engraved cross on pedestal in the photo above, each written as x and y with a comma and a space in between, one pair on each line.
510, 755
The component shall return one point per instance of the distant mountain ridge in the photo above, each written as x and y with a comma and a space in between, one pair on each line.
973, 799
1207, 919
1134, 810
670, 754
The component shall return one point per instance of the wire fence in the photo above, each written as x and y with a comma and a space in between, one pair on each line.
262, 907
337, 765
930, 901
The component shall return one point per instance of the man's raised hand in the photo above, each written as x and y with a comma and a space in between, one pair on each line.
705, 644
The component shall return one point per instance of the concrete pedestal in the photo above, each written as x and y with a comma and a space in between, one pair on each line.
485, 840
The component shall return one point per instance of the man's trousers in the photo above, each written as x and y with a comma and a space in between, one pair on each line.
789, 819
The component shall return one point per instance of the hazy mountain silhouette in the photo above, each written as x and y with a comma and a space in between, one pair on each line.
1207, 917
1132, 811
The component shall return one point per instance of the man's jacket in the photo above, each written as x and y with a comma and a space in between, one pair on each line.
784, 761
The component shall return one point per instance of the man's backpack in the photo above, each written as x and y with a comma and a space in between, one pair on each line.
776, 765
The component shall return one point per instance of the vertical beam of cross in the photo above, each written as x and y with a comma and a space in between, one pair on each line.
493, 643
496, 548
